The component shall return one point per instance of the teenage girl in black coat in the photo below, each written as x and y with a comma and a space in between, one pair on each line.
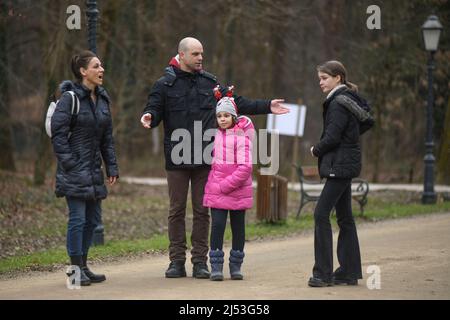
345, 117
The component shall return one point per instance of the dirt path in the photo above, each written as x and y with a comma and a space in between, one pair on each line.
413, 255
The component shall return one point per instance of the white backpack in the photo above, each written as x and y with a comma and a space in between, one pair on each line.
51, 109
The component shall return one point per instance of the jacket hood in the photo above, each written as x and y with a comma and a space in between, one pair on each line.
175, 62
67, 85
244, 123
354, 96
354, 103
80, 90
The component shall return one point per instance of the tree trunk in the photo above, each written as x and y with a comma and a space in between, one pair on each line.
443, 167
52, 71
43, 160
6, 154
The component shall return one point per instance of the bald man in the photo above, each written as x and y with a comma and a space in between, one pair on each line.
183, 99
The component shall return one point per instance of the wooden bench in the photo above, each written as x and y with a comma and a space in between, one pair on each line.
309, 175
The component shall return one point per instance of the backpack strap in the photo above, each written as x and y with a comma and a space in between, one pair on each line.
75, 103
75, 108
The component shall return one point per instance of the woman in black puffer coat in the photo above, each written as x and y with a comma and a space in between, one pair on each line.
346, 116
80, 142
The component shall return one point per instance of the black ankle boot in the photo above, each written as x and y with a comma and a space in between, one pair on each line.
77, 261
200, 271
95, 278
318, 282
176, 270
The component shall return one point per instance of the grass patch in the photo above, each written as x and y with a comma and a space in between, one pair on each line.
49, 259
261, 230
393, 211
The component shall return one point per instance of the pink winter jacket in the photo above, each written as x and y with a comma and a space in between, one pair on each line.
229, 183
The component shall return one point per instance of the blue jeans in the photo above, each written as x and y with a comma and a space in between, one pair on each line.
84, 216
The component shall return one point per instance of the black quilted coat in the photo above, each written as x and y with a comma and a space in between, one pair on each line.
79, 173
345, 116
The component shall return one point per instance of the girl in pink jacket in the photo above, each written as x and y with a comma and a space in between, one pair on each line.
229, 186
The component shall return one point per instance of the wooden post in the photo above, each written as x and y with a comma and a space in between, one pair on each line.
296, 142
282, 198
263, 196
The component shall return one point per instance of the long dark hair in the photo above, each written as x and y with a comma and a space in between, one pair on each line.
335, 68
81, 60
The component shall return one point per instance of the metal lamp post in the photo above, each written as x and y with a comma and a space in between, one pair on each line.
92, 15
431, 30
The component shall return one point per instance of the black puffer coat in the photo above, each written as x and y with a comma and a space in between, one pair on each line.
346, 116
79, 173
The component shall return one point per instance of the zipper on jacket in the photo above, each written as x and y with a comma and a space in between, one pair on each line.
93, 109
331, 169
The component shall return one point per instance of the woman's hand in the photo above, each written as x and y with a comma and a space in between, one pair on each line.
112, 180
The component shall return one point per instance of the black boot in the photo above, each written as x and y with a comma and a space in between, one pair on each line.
95, 278
340, 277
200, 271
176, 270
318, 282
77, 261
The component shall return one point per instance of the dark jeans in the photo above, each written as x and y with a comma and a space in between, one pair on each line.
84, 216
218, 224
178, 182
336, 193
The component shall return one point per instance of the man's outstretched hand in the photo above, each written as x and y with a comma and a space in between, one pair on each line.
277, 107
146, 120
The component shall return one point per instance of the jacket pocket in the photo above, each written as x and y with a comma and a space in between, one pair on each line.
72, 165
176, 100
176, 104
105, 113
105, 119
206, 99
327, 163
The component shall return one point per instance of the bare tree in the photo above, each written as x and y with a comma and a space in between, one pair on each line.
6, 155
444, 154
54, 42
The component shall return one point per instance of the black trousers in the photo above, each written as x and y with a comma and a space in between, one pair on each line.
218, 224
336, 193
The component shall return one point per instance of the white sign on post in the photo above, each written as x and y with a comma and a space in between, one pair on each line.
290, 124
